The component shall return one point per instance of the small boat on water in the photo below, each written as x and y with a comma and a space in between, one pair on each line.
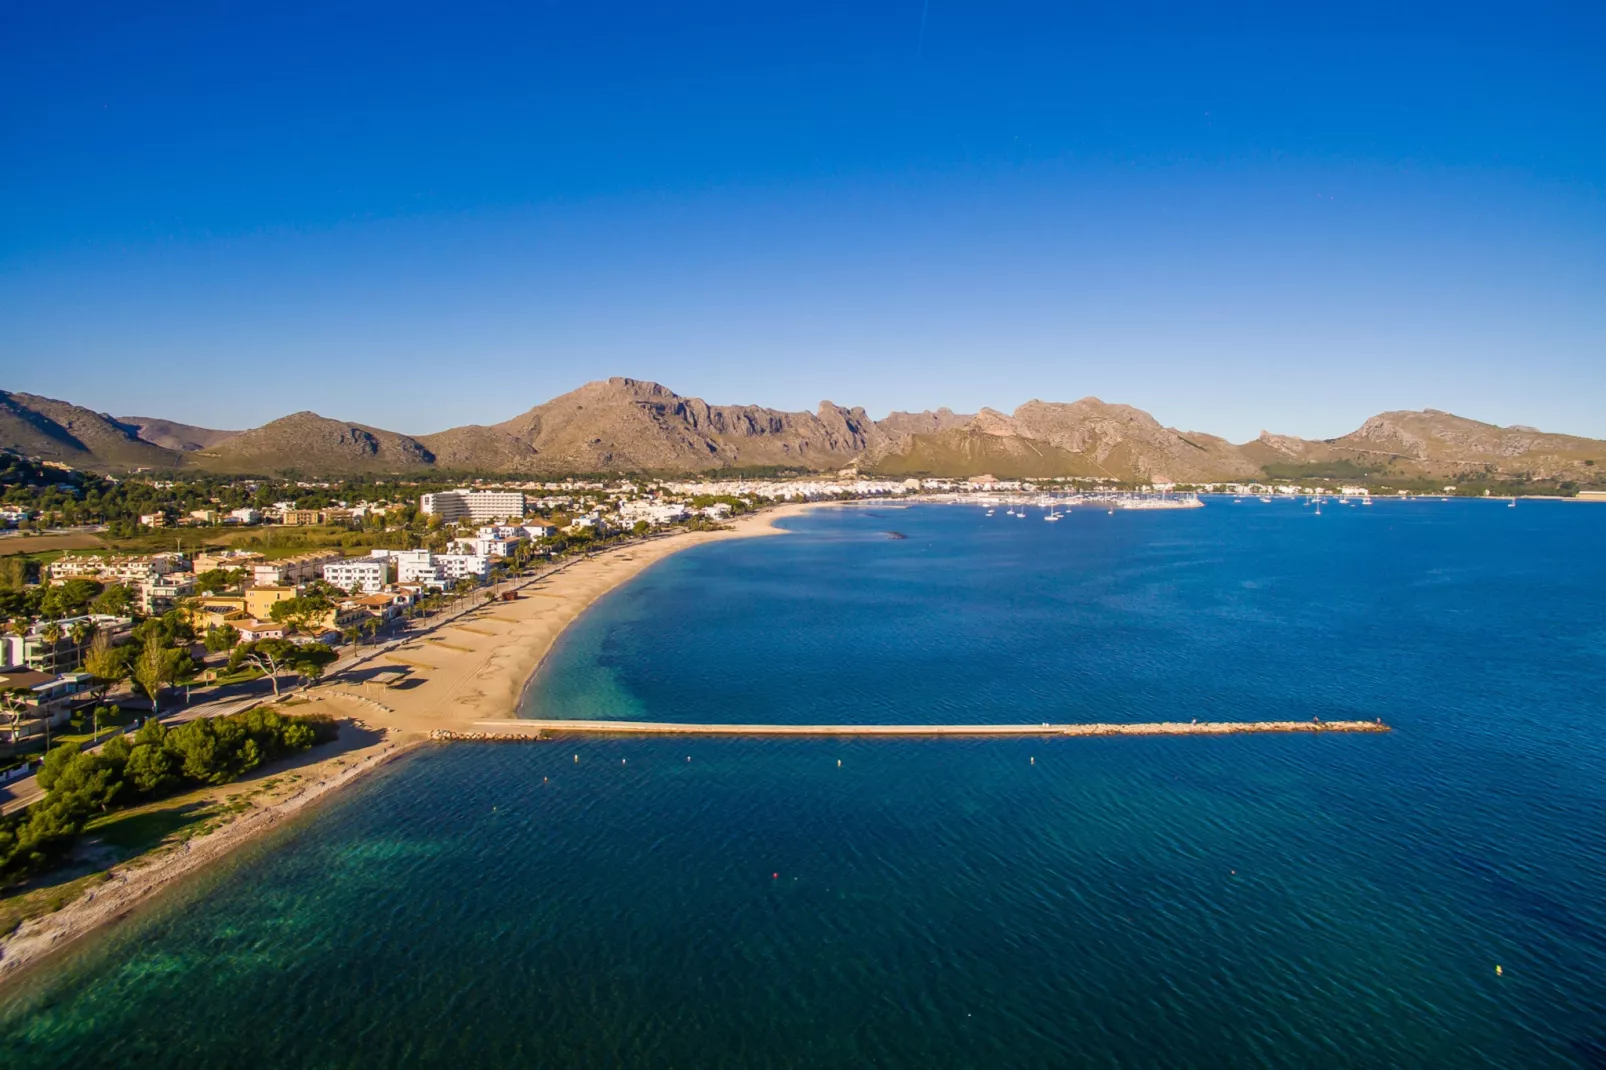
1266, 500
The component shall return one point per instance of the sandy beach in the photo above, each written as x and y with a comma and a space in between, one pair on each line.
475, 667
470, 669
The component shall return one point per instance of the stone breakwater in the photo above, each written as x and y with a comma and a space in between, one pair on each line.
525, 731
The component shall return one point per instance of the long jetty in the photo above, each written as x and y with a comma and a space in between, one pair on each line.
517, 730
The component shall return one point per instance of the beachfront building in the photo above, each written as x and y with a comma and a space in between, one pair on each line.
467, 504
259, 601
244, 560
463, 566
158, 595
484, 545
49, 700
130, 571
367, 575
31, 650
655, 513
291, 570
251, 630
435, 570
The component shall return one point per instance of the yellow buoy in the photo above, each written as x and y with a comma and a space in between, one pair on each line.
1498, 971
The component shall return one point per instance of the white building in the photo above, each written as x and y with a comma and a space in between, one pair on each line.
463, 566
245, 516
473, 504
369, 575
486, 547
652, 512
413, 566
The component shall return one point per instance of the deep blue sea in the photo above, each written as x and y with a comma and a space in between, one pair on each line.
1278, 901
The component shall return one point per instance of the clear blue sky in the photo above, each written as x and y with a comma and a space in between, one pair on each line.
420, 216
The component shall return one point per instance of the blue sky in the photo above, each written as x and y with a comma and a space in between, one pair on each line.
1237, 217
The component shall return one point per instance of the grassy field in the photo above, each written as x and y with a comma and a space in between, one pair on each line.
53, 545
273, 541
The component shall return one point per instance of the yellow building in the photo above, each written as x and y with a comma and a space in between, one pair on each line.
259, 601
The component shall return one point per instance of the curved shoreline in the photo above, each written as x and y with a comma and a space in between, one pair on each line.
473, 673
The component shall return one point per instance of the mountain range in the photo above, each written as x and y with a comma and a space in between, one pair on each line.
628, 425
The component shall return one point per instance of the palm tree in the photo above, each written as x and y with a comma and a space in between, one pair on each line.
80, 633
50, 635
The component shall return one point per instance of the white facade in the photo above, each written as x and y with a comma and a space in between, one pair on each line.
415, 566
652, 512
486, 546
461, 566
366, 574
473, 504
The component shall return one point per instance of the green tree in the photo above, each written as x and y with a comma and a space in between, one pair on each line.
13, 572
115, 601
155, 666
310, 660
69, 599
106, 663
151, 769
216, 580
79, 633
56, 760
303, 612
270, 656
50, 635
222, 637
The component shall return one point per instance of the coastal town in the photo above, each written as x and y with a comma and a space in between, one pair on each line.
140, 611
329, 565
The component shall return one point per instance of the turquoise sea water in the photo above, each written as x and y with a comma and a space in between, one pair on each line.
1241, 901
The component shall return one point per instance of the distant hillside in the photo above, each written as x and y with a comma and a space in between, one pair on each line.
630, 425
1440, 445
49, 430
627, 424
313, 444
923, 423
171, 435
1082, 438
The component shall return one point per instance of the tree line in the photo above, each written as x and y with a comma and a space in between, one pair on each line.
80, 785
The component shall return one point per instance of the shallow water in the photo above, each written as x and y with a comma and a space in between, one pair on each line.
1241, 901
